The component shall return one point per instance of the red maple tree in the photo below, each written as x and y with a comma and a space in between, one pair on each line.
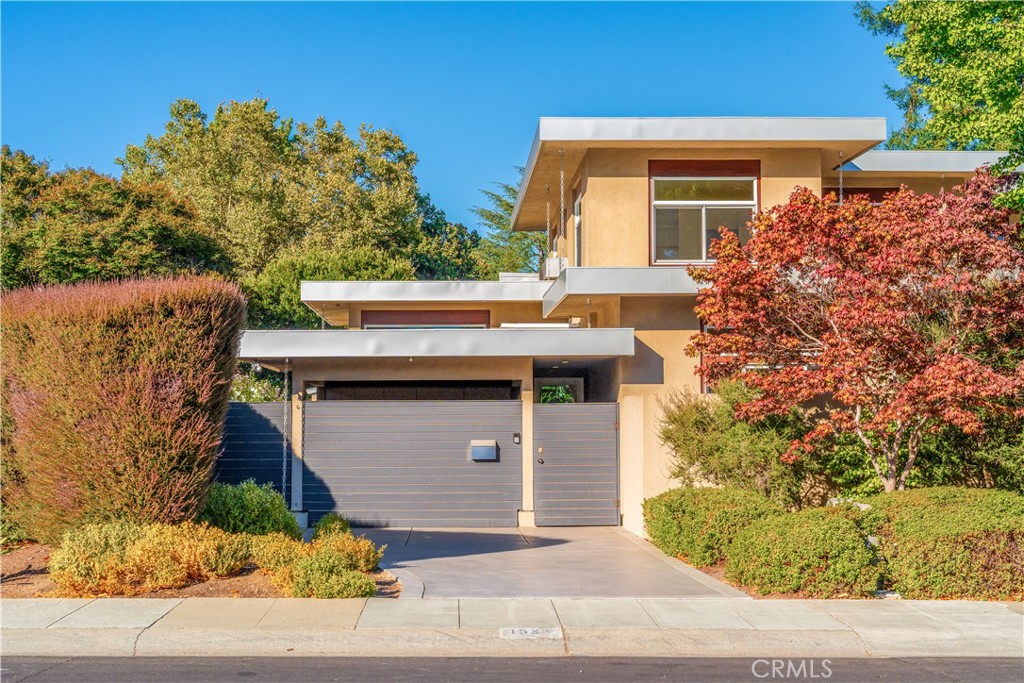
906, 315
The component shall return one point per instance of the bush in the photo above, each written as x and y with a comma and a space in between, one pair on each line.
359, 554
127, 559
331, 523
710, 445
249, 508
326, 574
698, 524
952, 542
277, 555
817, 552
117, 393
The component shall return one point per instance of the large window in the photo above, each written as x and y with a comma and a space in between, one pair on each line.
688, 212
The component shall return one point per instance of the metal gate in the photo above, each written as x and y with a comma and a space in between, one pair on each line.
576, 467
407, 463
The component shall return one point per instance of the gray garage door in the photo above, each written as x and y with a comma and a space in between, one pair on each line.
253, 445
576, 475
406, 463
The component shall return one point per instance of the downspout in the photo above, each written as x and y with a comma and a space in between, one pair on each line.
286, 441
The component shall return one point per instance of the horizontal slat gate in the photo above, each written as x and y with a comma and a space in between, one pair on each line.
406, 463
578, 482
252, 446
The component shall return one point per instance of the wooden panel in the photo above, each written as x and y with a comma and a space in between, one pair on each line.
406, 463
578, 482
705, 167
453, 317
253, 446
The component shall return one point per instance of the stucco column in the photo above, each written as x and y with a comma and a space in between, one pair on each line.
631, 462
526, 516
298, 389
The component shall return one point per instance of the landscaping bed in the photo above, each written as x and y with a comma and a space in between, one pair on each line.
24, 573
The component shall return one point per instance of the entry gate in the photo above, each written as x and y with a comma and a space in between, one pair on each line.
576, 464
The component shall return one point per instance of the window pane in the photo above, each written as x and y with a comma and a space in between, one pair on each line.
677, 234
696, 189
734, 219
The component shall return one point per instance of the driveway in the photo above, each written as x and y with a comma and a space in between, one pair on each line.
549, 562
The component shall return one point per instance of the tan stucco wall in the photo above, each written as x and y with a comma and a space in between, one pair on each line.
616, 200
664, 327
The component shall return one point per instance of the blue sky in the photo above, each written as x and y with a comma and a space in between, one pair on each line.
462, 83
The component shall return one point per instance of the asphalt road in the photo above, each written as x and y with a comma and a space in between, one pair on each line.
499, 670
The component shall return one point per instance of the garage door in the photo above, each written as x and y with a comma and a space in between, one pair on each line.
406, 463
576, 473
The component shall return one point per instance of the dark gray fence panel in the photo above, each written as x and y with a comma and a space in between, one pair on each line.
253, 445
578, 482
406, 463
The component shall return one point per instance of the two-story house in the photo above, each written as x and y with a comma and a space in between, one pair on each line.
421, 404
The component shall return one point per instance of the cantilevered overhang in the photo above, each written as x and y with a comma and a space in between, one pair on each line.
561, 143
900, 163
331, 299
274, 346
578, 290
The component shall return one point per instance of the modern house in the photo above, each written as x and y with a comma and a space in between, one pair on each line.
419, 404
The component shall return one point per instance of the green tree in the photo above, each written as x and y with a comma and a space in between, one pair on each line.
274, 301
964, 65
503, 249
80, 225
263, 186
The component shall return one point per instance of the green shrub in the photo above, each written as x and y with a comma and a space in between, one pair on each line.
249, 508
359, 554
952, 542
698, 524
331, 523
326, 574
710, 445
817, 552
127, 559
91, 558
117, 393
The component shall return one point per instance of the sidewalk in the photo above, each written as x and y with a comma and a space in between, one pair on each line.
511, 627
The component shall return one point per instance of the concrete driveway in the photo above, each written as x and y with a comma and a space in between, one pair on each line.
550, 562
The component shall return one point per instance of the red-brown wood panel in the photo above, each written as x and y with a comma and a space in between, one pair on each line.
426, 318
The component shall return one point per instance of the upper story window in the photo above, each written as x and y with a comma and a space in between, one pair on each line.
688, 212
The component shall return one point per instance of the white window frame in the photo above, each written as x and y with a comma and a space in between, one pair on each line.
703, 205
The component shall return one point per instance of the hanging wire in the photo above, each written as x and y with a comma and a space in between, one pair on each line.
547, 211
840, 178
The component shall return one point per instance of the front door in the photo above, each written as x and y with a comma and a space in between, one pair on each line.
576, 464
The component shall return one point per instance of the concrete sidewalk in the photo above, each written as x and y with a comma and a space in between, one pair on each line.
511, 627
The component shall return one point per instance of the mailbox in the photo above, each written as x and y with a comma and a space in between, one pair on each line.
483, 450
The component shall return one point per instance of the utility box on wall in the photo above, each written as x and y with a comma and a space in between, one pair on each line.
483, 450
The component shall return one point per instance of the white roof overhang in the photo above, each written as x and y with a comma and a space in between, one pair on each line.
274, 345
569, 293
905, 162
562, 142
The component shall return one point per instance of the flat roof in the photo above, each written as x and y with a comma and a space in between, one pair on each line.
569, 292
562, 142
921, 161
276, 345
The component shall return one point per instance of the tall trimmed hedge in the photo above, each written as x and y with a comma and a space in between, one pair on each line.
117, 394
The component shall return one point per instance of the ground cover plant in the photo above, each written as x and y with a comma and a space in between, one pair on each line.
117, 394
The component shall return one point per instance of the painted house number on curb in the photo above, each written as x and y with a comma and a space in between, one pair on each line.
529, 633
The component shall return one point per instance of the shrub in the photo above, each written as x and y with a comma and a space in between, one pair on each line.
326, 574
117, 393
91, 558
817, 552
277, 554
127, 559
331, 523
710, 445
699, 523
359, 554
249, 508
952, 542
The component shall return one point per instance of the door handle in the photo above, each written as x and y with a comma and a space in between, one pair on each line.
540, 461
